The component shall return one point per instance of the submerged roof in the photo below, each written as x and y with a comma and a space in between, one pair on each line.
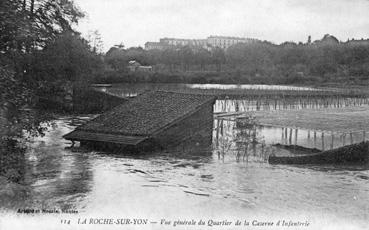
140, 117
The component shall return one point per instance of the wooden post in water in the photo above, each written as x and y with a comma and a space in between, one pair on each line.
322, 141
221, 127
344, 139
285, 135
364, 136
237, 106
351, 138
296, 130
290, 139
254, 142
308, 134
314, 139
217, 135
282, 135
332, 140
225, 105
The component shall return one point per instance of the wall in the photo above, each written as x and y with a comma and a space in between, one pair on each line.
193, 130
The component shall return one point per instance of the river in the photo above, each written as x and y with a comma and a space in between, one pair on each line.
172, 187
160, 185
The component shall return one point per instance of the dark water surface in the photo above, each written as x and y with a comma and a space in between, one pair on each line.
161, 185
220, 185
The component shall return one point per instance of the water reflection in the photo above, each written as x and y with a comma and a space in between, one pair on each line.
244, 139
53, 177
129, 90
237, 135
250, 86
259, 103
259, 97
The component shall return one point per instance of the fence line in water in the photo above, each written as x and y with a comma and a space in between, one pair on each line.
252, 104
322, 140
226, 131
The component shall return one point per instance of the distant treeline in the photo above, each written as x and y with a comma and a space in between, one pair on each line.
326, 60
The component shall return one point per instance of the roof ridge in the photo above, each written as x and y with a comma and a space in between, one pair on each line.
186, 93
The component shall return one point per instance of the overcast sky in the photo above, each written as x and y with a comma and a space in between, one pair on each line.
134, 22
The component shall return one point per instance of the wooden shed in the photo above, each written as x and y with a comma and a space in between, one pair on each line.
150, 121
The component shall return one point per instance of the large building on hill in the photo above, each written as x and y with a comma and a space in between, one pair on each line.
184, 42
208, 43
225, 42
156, 46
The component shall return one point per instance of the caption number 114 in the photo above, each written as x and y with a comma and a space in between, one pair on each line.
62, 221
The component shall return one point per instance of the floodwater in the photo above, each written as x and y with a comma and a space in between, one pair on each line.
248, 86
252, 103
162, 185
127, 90
225, 184
270, 135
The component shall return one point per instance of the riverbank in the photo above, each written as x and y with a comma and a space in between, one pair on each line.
230, 77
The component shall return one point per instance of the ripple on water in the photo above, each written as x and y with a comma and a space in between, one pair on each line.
98, 181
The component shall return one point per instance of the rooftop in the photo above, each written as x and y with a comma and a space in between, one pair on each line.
228, 37
142, 116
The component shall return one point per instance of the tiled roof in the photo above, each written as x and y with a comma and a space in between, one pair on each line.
146, 114
80, 135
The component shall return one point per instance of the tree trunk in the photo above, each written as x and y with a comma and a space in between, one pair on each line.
28, 41
32, 8
219, 67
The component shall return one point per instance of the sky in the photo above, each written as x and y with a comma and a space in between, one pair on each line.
134, 22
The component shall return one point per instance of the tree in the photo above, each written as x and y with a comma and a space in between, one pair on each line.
170, 57
254, 58
26, 28
154, 56
95, 41
30, 24
116, 58
203, 57
186, 57
219, 58
137, 54
68, 58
